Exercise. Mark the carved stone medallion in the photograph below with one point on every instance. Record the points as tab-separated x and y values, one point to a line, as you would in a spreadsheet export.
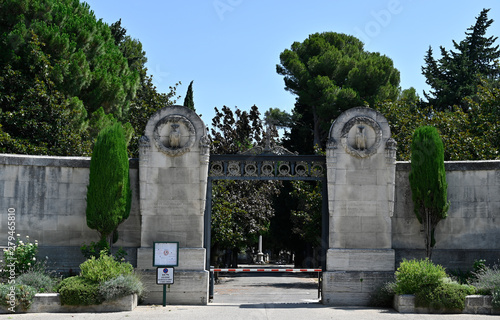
174	135
361	137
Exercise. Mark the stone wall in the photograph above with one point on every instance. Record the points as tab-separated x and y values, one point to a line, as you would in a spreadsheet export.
471	231
48	195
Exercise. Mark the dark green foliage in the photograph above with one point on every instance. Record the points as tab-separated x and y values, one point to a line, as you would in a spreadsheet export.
104	268
94	249
241	210
471	135
87	63
446	295
23	296
237	131
428	182
457	74
79	291
61	70
430	285
413	275
108	192
306	218
41	281
188	100
330	73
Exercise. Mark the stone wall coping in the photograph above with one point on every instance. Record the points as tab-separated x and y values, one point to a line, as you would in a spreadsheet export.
51	303
457	165
52	161
474	304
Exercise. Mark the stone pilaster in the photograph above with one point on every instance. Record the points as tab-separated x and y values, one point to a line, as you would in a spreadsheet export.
361	174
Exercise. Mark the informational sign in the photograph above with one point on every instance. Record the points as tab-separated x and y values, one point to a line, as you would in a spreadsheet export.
166	254
164	275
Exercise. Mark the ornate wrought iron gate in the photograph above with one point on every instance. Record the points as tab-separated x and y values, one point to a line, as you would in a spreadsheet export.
267	164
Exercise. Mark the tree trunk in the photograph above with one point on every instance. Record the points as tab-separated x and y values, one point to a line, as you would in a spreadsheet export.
428	234
316	133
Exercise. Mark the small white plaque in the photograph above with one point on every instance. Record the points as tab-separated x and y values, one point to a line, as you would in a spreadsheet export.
166	254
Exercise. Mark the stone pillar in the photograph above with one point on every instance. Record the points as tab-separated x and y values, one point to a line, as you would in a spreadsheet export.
360	177
173	170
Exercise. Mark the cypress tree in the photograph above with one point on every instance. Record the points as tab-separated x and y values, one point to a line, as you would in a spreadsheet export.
428	182
188	100
108	192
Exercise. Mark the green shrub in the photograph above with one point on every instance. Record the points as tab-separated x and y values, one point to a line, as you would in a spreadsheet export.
413	275
94	249
495	302
79	291
121	286
487	279
104	268
447	295
41	281
18	299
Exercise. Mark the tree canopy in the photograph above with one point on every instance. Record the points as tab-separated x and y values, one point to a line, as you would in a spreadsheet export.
457	74
59	68
241	210
330	73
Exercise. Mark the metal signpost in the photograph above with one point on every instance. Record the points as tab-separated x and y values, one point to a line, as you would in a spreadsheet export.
165	257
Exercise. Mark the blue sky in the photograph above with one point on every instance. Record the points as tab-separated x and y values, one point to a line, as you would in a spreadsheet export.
230	48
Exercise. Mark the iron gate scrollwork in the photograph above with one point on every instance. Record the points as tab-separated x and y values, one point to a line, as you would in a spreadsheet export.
265	163
267	167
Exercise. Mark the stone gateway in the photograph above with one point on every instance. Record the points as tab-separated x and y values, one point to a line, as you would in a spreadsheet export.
370	221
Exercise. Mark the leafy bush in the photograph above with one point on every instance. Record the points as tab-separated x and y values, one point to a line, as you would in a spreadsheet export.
20	298
447	295
104	268
20	257
487	279
121	286
413	275
79	291
41	281
495	302
467	277
94	249
383	297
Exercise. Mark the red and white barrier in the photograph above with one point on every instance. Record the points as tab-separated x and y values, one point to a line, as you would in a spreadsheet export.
265	270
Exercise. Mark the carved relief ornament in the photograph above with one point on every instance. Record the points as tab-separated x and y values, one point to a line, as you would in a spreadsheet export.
361	137
174	135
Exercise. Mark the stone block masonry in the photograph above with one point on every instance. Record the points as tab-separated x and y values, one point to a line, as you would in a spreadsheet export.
372	226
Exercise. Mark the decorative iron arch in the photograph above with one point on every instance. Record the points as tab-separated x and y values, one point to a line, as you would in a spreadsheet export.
262	163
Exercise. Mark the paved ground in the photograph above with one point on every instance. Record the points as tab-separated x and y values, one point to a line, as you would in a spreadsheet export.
264	311
254	297
266	288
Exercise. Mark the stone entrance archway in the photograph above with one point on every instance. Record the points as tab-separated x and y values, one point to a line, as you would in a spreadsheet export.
359	194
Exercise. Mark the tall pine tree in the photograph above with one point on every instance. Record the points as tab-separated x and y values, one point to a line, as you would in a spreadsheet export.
457	74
